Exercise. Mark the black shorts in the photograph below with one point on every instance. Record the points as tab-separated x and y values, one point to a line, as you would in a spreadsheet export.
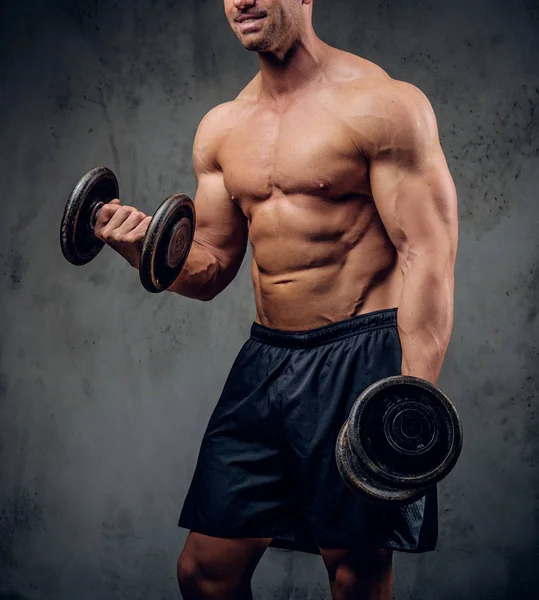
267	465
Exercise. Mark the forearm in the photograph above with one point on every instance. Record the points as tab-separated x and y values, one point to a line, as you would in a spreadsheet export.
425	315
200	276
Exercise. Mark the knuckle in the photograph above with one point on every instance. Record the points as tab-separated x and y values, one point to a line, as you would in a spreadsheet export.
105	215
108	209
132	238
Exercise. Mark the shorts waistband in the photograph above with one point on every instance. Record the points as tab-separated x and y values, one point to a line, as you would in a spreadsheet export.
327	333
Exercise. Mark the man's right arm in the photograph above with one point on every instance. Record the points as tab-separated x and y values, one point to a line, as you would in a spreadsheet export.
221	232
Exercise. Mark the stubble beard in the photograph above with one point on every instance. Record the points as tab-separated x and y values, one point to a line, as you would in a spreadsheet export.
273	36
262	41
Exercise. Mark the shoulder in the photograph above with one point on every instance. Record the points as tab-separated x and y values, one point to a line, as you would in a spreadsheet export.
208	137
388	114
214	128
396	101
365	84
220	118
344	67
371	102
215	123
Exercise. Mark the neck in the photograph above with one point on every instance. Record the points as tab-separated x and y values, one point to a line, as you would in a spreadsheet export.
284	71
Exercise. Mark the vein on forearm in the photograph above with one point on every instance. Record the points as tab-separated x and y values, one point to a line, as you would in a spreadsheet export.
200	274
425	315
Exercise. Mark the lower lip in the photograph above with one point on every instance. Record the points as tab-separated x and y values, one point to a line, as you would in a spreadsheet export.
251	25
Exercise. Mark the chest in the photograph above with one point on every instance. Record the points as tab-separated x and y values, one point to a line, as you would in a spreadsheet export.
304	150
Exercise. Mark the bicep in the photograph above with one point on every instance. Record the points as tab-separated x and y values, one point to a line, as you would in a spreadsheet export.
221	227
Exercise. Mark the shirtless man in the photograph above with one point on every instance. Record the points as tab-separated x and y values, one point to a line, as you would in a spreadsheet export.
334	173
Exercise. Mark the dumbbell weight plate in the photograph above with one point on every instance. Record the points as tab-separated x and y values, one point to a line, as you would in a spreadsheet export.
167	243
359	481
405	433
78	242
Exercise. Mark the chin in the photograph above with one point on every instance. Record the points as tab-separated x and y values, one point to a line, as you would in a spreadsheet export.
255	44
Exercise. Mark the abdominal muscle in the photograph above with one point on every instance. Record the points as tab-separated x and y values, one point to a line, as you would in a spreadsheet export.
317	261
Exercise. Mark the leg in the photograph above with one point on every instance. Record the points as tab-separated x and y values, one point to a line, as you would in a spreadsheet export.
360	574
217	568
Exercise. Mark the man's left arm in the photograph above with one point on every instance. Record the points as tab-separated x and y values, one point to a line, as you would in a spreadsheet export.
417	202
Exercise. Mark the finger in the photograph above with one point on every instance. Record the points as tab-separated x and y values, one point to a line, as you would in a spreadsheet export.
120	216
105	215
108	232
130	223
140	230
136	236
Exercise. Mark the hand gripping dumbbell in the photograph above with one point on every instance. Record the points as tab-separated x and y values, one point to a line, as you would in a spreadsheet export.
166	243
403	435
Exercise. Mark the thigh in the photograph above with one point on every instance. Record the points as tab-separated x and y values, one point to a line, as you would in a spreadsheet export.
362	558
363	572
239	487
217	559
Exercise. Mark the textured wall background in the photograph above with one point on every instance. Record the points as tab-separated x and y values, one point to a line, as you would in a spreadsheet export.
105	390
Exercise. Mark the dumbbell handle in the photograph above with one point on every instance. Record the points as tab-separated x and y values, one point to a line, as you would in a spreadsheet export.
95	214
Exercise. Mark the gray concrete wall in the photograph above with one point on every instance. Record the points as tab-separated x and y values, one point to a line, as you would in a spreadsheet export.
105	390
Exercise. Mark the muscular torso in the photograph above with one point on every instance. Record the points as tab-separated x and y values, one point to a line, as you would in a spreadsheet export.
320	251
